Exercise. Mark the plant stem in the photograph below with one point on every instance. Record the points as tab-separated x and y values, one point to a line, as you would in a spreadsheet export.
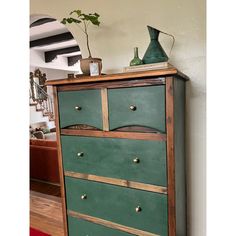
87	38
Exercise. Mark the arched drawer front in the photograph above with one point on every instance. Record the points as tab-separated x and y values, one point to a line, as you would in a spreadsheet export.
138	209
78	227
143	106
80	107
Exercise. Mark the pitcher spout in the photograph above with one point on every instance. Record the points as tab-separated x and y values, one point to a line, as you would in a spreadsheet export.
154	33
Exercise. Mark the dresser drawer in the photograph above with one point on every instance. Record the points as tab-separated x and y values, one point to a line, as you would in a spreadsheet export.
80	107
142	106
78	227
118	204
135	160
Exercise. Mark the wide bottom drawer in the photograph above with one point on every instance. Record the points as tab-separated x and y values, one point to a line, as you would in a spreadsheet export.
78	227
138	209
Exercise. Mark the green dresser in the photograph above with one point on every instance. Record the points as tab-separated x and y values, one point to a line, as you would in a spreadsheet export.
121	150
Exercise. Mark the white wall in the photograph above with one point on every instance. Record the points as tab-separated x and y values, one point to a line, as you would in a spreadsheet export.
37	59
123	26
51	74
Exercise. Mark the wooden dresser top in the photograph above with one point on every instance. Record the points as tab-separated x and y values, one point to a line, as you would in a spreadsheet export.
119	76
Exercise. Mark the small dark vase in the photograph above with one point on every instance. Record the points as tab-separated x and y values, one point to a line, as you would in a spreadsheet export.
154	52
136	60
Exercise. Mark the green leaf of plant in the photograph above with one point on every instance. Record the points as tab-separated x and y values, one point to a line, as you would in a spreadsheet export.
63	21
93	18
70	20
76	21
78	12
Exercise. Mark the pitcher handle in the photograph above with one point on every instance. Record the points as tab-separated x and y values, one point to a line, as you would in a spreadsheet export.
173	38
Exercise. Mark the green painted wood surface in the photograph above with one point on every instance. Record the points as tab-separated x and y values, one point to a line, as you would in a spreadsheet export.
150	103
91	112
180	171
78	227
111	157
117	204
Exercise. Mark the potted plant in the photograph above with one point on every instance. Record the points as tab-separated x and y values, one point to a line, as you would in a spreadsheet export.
83	21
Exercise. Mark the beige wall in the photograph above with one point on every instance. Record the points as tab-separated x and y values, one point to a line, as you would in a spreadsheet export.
123	26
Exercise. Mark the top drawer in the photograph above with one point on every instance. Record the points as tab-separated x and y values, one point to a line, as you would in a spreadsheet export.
142	106
80	107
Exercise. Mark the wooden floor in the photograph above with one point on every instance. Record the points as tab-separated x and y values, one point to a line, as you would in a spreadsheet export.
46	188
46	213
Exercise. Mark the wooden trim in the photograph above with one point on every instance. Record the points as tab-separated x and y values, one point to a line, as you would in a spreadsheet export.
60	162
82	126
114	84
105	117
119	182
112	77
110	224
170	155
136	128
182	76
43	147
129	128
43	142
114	134
45	182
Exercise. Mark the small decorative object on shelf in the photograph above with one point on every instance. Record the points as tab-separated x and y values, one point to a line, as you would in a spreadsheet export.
95	70
136	60
71	76
155	53
144	67
86	19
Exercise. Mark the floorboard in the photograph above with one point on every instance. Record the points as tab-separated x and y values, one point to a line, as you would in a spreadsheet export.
44	187
46	213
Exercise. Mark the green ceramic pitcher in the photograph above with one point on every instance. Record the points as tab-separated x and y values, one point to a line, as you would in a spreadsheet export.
155	53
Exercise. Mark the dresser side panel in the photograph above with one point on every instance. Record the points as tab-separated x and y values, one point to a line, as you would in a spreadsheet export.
179	143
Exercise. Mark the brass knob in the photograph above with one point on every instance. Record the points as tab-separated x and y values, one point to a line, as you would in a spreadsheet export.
136	160
138	209
133	107
84	196
80	154
78	108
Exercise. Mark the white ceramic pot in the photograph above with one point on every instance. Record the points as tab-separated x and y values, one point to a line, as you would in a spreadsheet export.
85	64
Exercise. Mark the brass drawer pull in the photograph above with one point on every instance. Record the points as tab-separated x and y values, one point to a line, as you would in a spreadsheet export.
78	108
133	108
138	209
80	154
84	196
136	160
